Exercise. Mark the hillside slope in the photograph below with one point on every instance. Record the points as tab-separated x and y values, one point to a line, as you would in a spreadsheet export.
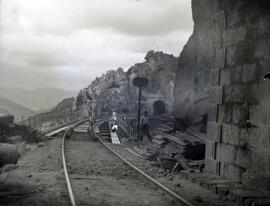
38	99
9	107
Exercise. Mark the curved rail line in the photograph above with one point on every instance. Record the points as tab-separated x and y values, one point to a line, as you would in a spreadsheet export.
70	192
170	192
161	186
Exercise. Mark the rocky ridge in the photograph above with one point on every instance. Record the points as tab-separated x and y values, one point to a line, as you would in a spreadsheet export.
115	90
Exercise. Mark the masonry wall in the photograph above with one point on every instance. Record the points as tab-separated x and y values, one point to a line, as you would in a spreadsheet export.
239	117
231	39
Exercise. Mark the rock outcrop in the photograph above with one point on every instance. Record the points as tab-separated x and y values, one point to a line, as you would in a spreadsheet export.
8	154
115	89
195	62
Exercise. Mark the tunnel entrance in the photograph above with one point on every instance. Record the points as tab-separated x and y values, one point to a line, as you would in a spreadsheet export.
159	107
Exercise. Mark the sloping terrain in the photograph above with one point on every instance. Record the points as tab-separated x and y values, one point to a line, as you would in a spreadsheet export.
38	99
9	107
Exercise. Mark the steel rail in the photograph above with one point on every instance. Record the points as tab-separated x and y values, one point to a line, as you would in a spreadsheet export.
68	126
70	192
170	192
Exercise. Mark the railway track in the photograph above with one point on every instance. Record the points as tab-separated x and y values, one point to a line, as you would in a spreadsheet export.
96	177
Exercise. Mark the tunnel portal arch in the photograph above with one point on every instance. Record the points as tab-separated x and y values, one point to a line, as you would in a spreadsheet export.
159	107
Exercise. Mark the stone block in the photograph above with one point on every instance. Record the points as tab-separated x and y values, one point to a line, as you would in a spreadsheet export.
245	52
237	75
213	131
233	18
216	94
226	153
8	154
259	138
230	55
211	166
263	183
260	114
249	73
264	26
212	112
219	17
262	49
264	64
210	151
231	171
243	158
260	163
225	76
237	114
261	91
221	113
235	35
228	114
214	77
233	93
220	58
230	134
250	136
248	178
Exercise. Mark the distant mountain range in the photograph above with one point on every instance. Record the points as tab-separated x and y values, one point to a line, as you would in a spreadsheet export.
37	100
9	107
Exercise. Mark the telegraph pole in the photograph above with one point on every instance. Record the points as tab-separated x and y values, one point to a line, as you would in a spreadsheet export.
139	82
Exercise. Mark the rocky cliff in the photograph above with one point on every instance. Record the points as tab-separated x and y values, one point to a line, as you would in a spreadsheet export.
115	89
195	62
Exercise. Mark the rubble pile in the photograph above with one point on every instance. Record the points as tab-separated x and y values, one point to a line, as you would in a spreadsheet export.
175	149
12	139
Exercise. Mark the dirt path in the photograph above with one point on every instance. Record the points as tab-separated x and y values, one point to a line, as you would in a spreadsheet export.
192	192
38	179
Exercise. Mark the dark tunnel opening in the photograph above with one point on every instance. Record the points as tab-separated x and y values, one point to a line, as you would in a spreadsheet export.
159	107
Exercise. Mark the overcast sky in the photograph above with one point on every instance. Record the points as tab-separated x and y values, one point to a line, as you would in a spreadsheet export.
67	43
